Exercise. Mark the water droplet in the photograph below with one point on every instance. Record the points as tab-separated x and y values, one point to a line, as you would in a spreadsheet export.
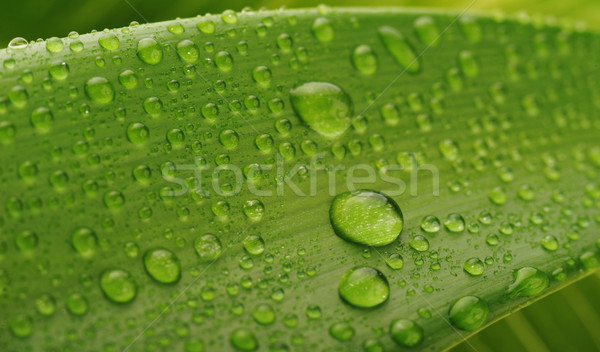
137	133
284	42
229	139
364	287
175	28
7	131
188	51
118	285
399	48
153	106
243	339
406	332
427	31
468	313
322	30
468	64
114	199
449	149
263	314
59	71
208	247
162	265
455	223
42	119
149	51
109	42
18	96
395	261
26	240
470	28
528	282
431	224
224	61
206	26
254	245
341	331
100	90
262	75
54	45
254	209
372	345
364	59
419	243
77	304
366	217
21	326
229	17
45	305
590	260
128	79
549	243
473	266
497	196
84	241
18	43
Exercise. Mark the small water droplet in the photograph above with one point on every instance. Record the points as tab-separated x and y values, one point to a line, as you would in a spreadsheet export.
100	90
162	265
322	29
188	51
208	247
118	285
137	133
364	59
473	266
149	51
406	332
399	48
341	331
364	287
224	61
427	31
109	42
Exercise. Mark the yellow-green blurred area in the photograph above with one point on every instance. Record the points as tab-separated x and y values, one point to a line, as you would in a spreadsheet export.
32	19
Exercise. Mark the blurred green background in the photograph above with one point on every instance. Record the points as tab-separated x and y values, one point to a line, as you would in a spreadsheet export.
568	320
34	19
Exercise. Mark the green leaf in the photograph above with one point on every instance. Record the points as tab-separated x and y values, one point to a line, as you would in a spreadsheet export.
473	136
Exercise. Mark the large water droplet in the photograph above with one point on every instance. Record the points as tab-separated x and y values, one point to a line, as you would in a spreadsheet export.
468	313
399	48
323	106
21	326
528	282
162	265
118	285
364	287
366	217
42	119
